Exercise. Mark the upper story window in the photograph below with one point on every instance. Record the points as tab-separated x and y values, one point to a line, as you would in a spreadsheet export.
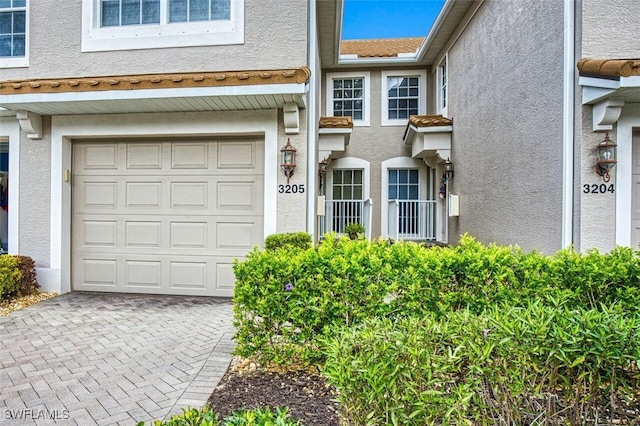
348	95
443	79
13	33
403	96
149	24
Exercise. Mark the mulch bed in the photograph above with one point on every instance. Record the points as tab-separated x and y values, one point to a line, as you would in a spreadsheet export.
307	396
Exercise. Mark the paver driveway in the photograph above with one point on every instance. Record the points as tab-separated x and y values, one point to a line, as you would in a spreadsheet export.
96	358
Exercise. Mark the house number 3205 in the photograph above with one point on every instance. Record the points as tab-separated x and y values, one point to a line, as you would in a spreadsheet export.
291	189
598	189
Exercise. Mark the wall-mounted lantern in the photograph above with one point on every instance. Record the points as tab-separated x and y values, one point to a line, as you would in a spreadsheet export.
606	157
288	163
322	169
448	170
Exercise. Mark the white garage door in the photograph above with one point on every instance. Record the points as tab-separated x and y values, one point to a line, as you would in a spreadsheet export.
164	217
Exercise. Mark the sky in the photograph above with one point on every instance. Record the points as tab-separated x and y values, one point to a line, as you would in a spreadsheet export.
363	19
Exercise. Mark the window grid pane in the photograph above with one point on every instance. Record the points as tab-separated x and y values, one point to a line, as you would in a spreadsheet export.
403	184
199	10
403	95
348	97
347	184
13	28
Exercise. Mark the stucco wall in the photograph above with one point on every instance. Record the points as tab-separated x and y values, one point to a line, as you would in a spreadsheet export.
35	196
610	29
275	37
505	98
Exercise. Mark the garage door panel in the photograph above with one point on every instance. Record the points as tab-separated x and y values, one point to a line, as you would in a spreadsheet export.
164	217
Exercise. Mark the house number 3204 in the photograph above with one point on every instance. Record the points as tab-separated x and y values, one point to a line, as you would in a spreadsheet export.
291	189
598	189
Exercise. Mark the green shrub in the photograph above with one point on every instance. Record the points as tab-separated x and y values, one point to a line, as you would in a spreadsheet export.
528	365
206	417
296	240
28	280
285	300
9	276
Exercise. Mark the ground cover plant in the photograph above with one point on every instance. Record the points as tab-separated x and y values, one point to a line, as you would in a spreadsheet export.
17	276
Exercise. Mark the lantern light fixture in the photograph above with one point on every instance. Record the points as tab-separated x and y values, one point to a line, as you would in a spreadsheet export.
322	168
448	170
606	152
288	163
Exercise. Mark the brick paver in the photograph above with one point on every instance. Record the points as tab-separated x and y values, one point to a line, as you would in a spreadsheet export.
108	359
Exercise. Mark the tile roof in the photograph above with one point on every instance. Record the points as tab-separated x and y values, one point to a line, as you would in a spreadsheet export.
336	122
156	81
380	48
429	121
609	67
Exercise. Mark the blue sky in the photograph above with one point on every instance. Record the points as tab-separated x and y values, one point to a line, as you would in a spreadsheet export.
364	19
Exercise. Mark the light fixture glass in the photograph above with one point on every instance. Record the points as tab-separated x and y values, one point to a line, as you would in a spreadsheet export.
288	163
606	154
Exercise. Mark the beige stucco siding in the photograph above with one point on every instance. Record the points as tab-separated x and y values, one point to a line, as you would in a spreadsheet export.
610	29
505	98
35	196
274	37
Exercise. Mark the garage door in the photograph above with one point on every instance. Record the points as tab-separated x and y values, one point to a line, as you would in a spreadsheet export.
165	217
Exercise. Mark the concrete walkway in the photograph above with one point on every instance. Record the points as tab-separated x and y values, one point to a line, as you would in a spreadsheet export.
107	359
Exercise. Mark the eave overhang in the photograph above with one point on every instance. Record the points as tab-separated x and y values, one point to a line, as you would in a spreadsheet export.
184	92
334	135
428	136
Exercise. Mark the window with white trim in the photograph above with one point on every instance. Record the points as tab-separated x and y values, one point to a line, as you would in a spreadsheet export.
403	95
348	95
443	80
148	24
13	33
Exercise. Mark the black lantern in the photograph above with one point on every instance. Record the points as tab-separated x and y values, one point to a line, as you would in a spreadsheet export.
288	159
606	157
448	170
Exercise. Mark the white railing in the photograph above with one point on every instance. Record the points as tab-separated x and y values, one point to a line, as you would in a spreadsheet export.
339	213
412	220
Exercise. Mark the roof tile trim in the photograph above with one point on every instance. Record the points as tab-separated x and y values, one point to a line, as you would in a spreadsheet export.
429	121
336	122
609	67
156	81
380	48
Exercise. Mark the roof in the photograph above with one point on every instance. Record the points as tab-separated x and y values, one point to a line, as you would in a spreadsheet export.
380	48
609	67
156	81
336	122
429	121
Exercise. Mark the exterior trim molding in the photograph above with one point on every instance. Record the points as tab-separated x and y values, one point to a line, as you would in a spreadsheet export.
291	118
156	81
606	113
30	123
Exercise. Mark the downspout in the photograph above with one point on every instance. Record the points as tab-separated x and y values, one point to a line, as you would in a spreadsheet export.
568	123
312	120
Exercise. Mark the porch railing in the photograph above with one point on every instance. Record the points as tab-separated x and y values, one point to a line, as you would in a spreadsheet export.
339	213
412	220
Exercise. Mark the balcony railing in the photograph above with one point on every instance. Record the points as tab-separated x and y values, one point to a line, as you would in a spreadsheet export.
412	220
339	213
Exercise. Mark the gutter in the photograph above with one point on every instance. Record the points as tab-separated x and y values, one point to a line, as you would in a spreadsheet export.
312	119
568	123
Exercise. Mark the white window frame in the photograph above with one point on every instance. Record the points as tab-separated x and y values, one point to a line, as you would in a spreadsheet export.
423	190
19	61
422	93
442	85
178	34
366	76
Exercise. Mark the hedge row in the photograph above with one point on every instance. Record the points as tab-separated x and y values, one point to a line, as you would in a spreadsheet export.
532	365
17	276
286	299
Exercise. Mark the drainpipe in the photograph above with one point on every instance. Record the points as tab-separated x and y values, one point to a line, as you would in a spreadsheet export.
312	119
568	121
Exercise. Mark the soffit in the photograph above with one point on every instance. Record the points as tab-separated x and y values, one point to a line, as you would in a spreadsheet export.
184	92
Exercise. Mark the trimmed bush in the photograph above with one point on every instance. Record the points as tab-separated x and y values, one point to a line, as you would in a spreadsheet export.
206	417
290	240
9	276
531	365
28	280
286	300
